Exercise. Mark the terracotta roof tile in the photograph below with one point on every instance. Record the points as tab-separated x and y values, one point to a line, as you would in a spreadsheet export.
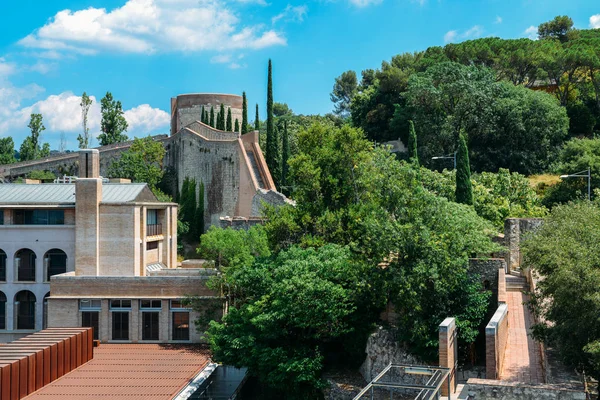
129	371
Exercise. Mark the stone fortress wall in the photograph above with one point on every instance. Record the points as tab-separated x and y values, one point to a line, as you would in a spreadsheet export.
186	108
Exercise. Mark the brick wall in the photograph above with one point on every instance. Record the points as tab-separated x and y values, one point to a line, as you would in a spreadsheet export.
448	352
496	336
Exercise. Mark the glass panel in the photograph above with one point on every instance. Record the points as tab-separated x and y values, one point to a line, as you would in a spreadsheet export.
145	304
25	262
2	265
90	319
177	304
90	304
120	326
181	326
57	264
120	304
25	310
39	217
3	313
1	217
152	217
150	326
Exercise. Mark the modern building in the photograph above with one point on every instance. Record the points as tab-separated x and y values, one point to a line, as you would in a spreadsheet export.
94	254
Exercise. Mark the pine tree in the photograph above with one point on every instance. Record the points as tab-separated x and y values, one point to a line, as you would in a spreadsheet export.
221	124
244	114
229	123
464	189
236	126
218	121
257	120
285	155
202	115
199	217
212	116
412	144
271	156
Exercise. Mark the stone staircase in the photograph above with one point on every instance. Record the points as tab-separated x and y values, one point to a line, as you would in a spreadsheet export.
516	282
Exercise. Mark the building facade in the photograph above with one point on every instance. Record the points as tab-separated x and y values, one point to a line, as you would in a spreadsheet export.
93	254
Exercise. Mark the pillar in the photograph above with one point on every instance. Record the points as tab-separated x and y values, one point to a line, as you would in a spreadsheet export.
448	352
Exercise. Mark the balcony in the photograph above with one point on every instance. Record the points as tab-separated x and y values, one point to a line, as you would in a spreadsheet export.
153	229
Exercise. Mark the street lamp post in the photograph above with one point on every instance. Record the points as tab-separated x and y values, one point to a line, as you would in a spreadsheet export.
449	156
583	174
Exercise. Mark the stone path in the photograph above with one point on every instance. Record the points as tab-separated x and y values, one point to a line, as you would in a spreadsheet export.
522	362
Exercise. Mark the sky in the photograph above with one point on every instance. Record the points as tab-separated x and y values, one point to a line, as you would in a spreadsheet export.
146	51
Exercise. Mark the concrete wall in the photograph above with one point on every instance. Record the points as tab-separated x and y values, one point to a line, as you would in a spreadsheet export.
119	240
496	337
481	389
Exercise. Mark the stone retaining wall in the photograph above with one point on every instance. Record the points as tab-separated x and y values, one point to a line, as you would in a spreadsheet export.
480	389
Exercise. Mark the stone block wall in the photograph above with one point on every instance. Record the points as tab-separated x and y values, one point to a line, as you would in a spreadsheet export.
514	231
496	337
186	108
481	389
487	269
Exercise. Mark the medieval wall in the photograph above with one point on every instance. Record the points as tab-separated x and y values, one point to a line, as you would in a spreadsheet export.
186	108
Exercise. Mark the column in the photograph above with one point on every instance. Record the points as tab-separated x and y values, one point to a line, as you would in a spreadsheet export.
448	350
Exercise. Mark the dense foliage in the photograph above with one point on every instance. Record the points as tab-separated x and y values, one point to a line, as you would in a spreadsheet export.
142	162
113	124
7	150
31	148
464	188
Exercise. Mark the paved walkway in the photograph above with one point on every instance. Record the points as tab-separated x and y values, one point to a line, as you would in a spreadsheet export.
522	360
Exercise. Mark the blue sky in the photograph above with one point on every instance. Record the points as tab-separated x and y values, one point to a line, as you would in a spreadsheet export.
146	51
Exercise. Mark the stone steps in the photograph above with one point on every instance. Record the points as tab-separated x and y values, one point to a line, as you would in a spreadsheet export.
516	283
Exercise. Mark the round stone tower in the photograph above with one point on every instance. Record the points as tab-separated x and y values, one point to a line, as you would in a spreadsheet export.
186	108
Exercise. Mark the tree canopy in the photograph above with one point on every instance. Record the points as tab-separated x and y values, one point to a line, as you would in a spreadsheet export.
113	124
142	162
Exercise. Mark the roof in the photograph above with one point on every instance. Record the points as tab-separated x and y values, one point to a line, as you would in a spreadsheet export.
130	371
64	193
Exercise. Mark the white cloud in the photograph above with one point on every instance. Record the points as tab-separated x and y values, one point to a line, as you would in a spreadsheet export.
291	14
364	3
220	59
531	32
148	26
498	19
6	68
471	33
595	21
144	118
42	67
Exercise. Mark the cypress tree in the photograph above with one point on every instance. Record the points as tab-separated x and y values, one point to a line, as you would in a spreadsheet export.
212	116
257	120
271	157
285	155
244	114
229	123
412	144
202	115
218	120
199	217
221	123
237	126
464	190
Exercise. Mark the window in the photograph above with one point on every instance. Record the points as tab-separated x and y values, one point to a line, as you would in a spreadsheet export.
2	311
55	262
178	304
120	304
2	266
152	304
45	312
25	265
152	225
90	304
120	325
25	309
39	217
151	245
181	326
90	319
1	216
150	325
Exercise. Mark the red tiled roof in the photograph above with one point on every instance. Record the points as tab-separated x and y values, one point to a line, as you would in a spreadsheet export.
132	371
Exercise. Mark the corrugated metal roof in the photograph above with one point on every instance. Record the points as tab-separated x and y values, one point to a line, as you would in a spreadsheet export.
61	193
130	371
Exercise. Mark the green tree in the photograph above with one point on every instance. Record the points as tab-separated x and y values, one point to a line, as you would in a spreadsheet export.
84	139
236	126
7	150
285	156
142	162
344	89
206	118
232	248
412	143
30	148
212	116
244	114
271	150
202	115
558	28
113	122
199	217
221	118
45	176
229	125
564	252
464	189
188	208
256	120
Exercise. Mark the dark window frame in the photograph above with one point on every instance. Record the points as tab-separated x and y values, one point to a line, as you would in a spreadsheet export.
180	329
151	325
120	325
91	319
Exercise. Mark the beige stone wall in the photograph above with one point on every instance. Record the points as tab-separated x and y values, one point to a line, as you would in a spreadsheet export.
119	237
87	240
496	338
448	348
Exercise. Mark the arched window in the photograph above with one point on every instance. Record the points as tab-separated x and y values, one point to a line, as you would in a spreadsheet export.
55	262
25	265
45	315
2	266
25	310
2	311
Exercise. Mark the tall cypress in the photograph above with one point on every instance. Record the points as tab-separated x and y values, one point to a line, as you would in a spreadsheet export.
236	127
202	115
464	189
221	120
206	119
244	114
285	155
199	217
212	116
271	140
229	122
412	144
257	120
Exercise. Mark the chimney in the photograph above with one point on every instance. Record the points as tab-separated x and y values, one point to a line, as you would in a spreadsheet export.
88	194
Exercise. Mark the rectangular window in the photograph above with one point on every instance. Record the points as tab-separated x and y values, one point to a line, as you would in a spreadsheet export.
150	325
179	304
39	217
120	304
90	319
151	217
151	245
181	326
1	216
90	304
150	304
120	325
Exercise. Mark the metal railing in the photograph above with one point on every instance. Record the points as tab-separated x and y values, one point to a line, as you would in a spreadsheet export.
153	229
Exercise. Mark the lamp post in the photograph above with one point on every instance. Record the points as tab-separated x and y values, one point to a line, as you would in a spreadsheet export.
583	174
449	156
